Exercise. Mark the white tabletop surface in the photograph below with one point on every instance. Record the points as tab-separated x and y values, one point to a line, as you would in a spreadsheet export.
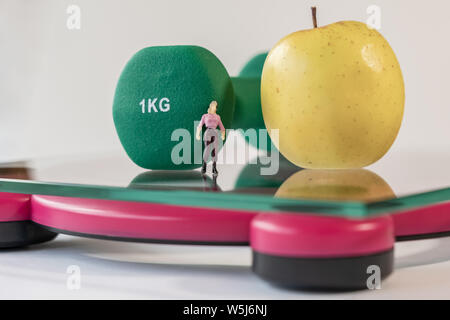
115	270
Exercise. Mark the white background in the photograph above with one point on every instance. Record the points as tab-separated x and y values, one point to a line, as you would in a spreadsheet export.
56	90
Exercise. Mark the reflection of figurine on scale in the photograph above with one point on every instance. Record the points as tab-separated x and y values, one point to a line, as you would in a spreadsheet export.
211	120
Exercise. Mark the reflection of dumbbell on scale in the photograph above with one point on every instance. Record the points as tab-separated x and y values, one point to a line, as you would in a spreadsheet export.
162	91
174	180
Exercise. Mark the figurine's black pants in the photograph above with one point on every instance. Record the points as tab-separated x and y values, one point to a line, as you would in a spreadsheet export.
210	138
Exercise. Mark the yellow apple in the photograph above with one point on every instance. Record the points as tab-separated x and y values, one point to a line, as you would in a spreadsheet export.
345	185
336	95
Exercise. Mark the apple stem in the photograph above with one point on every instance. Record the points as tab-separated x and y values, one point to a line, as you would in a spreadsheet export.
314	16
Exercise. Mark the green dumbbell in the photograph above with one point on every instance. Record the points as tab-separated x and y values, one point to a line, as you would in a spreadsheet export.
254	67
164	90
248	87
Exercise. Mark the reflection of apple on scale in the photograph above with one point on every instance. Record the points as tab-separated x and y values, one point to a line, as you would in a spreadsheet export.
342	185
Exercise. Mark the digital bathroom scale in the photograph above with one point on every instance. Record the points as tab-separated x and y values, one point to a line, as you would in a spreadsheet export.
314	229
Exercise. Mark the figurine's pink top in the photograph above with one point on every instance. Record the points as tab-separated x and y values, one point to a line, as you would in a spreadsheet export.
211	120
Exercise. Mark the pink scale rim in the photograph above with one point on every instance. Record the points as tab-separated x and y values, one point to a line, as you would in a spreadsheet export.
140	220
312	236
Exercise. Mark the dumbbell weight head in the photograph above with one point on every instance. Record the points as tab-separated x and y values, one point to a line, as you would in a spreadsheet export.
162	89
166	88
248	112
254	67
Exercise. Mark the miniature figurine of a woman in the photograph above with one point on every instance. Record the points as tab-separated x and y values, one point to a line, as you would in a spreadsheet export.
211	120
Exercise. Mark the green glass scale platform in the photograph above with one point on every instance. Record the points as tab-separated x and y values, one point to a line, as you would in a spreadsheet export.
398	182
